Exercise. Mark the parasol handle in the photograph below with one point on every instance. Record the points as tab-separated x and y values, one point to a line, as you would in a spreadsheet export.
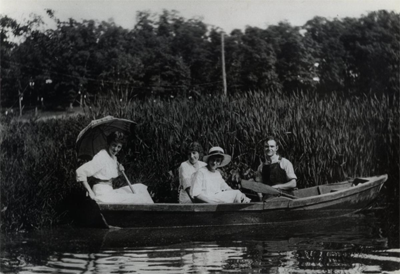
129	183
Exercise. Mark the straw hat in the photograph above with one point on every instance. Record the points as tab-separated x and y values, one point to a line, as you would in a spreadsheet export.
218	151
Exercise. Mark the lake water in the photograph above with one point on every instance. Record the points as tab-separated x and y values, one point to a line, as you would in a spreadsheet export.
357	244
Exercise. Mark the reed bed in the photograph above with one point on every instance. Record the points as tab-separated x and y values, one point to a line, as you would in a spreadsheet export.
327	138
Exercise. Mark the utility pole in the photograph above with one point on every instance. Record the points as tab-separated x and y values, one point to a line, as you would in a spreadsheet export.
20	98
223	63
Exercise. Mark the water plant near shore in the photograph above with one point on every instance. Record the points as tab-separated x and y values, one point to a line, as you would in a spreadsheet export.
328	138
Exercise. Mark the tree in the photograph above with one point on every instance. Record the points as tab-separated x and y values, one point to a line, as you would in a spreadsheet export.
295	63
373	41
189	44
233	60
323	38
258	61
15	74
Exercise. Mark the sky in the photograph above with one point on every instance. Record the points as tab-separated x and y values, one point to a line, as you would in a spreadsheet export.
226	14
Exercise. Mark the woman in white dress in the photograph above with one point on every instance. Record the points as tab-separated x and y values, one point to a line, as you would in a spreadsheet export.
208	186
186	170
104	167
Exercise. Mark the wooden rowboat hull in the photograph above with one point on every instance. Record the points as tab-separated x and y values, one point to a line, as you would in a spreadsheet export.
325	201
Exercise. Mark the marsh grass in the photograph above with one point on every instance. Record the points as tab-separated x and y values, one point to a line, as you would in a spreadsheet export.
327	138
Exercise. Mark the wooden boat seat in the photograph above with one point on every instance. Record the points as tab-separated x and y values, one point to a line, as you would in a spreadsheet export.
306	192
326	189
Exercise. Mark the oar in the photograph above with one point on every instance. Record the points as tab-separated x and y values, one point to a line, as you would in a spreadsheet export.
262	188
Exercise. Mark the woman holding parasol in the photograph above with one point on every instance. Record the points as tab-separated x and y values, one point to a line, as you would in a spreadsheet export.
104	166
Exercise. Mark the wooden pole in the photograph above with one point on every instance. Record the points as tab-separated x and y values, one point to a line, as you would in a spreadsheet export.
223	63
129	183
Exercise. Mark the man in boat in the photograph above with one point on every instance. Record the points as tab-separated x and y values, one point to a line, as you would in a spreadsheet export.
276	171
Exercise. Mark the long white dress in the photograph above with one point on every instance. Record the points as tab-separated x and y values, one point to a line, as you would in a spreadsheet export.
186	170
214	187
104	168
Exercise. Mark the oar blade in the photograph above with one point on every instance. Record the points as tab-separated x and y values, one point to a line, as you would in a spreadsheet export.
258	187
262	188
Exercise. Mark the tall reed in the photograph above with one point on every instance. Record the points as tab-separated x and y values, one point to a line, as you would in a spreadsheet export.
327	138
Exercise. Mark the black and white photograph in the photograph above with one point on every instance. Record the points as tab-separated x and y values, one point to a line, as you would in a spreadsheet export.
199	136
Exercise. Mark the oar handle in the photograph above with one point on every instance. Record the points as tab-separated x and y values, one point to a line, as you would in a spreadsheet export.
287	195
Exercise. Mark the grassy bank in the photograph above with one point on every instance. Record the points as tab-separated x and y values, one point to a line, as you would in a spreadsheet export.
326	138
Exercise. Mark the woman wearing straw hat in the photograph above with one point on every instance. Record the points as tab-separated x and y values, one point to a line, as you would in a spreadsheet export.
208	186
186	170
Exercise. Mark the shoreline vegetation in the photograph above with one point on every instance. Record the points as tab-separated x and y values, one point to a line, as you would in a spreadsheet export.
327	138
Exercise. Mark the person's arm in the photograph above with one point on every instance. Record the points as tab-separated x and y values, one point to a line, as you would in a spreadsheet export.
185	179
196	190
290	175
87	170
188	193
289	185
89	190
204	199
224	185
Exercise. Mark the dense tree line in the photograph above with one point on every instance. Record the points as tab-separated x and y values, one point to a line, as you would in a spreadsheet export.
168	55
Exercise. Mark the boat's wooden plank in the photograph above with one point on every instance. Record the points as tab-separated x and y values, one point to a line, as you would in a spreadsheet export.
277	203
166	207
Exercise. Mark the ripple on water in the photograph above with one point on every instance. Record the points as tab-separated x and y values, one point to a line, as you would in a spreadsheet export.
343	249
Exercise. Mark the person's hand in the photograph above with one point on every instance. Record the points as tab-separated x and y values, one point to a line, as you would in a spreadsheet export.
236	178
277	188
245	199
93	196
121	168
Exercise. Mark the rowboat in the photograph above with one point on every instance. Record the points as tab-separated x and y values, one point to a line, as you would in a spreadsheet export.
308	204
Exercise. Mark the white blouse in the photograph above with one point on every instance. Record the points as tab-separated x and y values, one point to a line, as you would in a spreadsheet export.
207	182
102	167
186	170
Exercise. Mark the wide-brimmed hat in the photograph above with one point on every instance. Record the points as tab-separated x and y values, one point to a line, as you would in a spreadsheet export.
218	151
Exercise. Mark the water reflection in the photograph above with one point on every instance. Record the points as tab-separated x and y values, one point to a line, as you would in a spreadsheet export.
353	245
